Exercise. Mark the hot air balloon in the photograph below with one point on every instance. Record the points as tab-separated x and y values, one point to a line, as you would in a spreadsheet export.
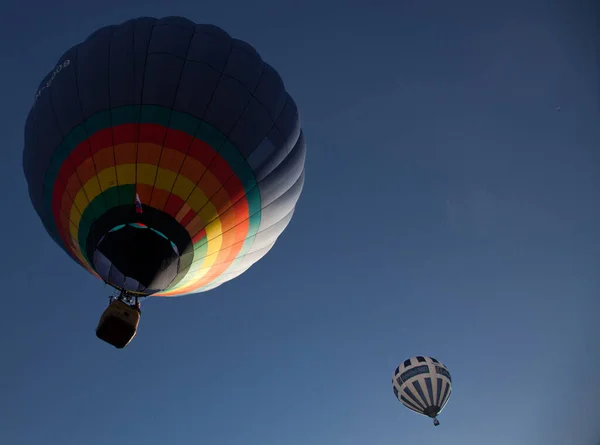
423	385
165	157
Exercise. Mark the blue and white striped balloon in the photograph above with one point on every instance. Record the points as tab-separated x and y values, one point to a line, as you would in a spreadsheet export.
424	385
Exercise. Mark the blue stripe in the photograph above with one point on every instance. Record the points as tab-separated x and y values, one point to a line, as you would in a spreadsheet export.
417	386
445	394
412	396
411	405
439	392
429	390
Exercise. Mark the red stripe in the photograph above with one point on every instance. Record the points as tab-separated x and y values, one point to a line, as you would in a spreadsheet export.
178	140
125	134
221	169
187	218
101	139
152	133
202	152
174	204
201	234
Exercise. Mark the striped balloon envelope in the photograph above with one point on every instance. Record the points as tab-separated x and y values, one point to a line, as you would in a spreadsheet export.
164	156
423	384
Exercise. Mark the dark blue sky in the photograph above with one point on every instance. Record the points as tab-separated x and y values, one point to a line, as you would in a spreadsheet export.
449	210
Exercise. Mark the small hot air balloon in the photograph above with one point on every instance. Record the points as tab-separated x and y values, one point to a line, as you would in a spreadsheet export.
165	157
423	384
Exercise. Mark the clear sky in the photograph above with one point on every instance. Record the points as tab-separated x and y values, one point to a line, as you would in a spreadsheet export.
450	209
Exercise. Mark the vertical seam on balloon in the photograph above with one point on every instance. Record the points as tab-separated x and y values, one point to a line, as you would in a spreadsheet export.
140	105
110	108
137	140
171	114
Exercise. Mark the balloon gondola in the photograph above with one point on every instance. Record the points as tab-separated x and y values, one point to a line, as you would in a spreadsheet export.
165	157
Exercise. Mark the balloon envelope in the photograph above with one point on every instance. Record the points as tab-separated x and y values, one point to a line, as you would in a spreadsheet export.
164	156
422	384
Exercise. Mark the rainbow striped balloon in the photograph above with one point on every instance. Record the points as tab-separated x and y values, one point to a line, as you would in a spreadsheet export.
164	156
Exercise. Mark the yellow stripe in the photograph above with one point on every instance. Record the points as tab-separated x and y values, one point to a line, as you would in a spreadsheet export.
196	274
107	178
73	227
165	179
215	240
183	187
146	173
75	214
126	174
197	200
76	250
92	188
213	231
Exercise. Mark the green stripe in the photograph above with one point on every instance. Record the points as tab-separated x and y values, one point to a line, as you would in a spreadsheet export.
88	217
200	249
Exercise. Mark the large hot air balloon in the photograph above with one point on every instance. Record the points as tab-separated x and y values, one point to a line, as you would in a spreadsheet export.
165	157
423	385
